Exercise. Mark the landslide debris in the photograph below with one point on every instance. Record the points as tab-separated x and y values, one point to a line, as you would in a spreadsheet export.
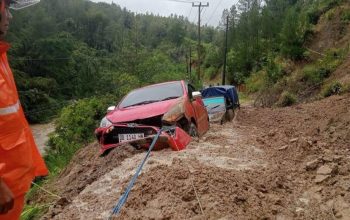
284	163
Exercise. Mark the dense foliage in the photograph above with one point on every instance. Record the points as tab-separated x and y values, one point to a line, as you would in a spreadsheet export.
260	32
71	49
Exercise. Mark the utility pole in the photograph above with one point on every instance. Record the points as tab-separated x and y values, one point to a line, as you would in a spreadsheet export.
200	6
190	64
225	58
187	64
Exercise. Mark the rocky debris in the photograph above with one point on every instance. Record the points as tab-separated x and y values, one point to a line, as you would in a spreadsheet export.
326	170
321	178
312	165
283	147
270	189
293	140
63	202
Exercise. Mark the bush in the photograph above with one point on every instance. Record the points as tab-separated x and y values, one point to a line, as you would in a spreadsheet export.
345	16
330	14
256	82
38	106
316	73
74	129
334	88
286	99
274	70
312	74
319	8
210	73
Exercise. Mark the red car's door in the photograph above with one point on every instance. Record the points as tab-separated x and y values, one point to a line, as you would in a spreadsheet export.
200	112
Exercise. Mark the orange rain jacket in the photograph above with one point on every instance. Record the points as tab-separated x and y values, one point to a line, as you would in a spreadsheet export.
20	160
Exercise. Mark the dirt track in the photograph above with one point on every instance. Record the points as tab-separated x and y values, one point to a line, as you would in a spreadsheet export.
289	163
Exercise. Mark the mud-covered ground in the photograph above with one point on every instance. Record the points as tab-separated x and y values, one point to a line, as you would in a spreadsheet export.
286	163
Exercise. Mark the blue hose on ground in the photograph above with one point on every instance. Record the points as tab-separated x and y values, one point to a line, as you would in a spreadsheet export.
124	197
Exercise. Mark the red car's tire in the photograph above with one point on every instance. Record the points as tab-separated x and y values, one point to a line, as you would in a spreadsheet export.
193	130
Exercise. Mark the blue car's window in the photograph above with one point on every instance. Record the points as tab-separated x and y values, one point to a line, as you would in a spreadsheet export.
152	94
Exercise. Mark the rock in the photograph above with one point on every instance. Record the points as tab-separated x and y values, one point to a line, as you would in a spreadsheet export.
312	165
325	170
337	158
318	189
240	199
327	158
331	130
63	202
309	143
283	147
262	189
271	133
321	178
293	140
274	210
338	215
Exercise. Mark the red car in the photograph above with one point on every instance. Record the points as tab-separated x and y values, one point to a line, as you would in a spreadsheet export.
141	113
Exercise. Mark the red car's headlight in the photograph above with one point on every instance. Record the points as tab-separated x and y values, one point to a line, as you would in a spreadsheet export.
176	112
105	123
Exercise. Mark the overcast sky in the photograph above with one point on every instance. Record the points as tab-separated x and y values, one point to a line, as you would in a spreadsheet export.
210	15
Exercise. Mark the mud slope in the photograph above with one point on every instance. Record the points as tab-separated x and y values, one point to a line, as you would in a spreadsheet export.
289	163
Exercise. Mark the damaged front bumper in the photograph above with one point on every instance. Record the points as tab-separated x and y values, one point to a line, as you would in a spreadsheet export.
141	135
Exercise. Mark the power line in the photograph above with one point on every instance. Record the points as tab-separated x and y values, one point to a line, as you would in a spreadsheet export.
189	15
216	8
204	10
180	1
63	58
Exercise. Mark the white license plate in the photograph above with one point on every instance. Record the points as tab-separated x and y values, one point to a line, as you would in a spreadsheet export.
130	137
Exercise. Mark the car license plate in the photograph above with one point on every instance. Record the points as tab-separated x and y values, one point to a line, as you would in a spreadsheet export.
130	137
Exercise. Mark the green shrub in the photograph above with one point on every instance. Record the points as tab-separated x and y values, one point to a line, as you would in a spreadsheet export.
74	129
286	99
256	82
316	73
29	212
334	88
345	16
38	106
311	74
319	8
274	70
210	73
330	14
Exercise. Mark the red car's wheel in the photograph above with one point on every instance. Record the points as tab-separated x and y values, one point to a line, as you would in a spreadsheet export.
193	130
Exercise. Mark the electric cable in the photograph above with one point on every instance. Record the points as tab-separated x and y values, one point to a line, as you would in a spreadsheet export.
217	6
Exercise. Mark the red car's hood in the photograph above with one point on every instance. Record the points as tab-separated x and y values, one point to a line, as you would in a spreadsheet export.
141	111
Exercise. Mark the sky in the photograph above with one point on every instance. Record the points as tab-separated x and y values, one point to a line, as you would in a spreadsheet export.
210	15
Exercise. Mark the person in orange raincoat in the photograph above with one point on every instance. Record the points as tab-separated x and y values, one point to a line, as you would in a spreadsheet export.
20	161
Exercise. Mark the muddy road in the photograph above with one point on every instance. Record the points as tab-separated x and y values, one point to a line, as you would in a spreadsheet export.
287	163
41	135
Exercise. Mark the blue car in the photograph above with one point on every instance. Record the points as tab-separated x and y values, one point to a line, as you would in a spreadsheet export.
221	102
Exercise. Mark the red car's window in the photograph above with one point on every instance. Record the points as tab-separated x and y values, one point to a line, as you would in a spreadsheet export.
152	94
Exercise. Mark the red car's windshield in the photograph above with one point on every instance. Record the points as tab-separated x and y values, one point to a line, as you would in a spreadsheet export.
152	94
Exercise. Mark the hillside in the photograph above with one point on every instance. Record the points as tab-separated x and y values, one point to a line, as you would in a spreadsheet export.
320	70
66	50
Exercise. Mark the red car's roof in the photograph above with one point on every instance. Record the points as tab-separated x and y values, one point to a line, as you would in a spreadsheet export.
163	83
